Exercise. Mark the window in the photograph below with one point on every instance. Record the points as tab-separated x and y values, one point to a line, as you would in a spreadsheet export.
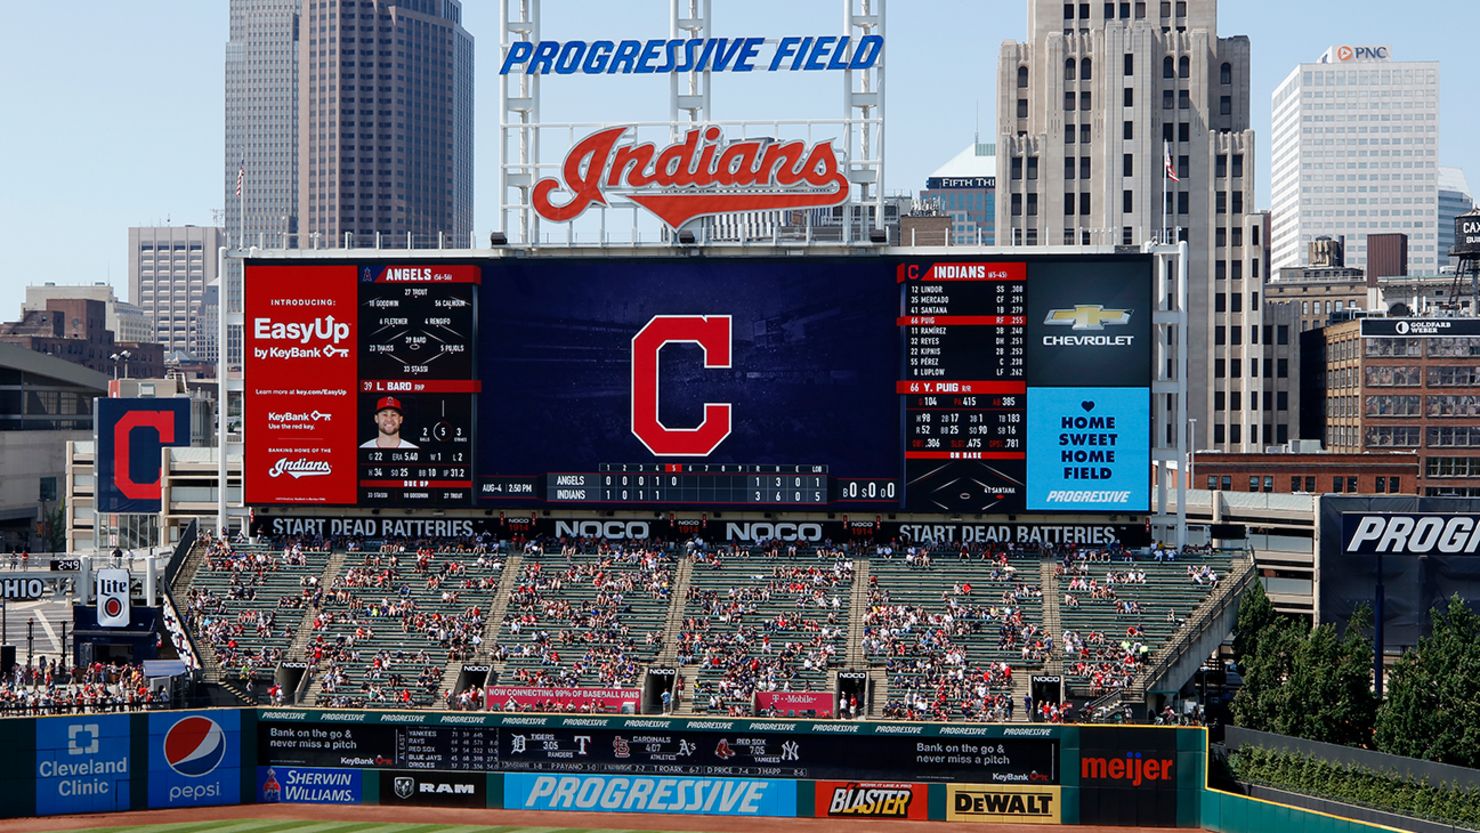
1022	108
1184	100
1295	484
1220	166
1225	105
1127	203
1212	482
1183	132
1127	235
1336	484
1069	134
1083	203
1068	11
1238	171
1069	70
1167	64
1253	482
1017	167
1084	99
1393	485
1068	101
1084	134
1184	67
1385	406
1282	368
1168	100
1268	479
1129	99
1022	78
1182	202
1378	481
1238	203
1127	131
1220	304
1225	73
1127	165
1085	68
1068	167
1220	200
1226	482
1068	204
47	490
1084	167
1017	204
1032	205
1032	167
1130	61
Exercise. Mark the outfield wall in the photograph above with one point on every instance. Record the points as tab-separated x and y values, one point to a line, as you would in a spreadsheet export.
1016	773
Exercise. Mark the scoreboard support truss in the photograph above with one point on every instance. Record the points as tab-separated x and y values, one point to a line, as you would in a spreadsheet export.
1169	442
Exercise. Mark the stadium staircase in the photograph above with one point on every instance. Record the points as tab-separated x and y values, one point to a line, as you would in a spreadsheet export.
1052	621
1179	657
500	606
298	650
674	622
857	612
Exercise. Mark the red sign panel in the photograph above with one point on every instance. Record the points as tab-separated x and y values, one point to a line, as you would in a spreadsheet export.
300	360
791	703
872	800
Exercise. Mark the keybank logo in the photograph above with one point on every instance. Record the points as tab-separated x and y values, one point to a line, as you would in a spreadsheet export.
1134	767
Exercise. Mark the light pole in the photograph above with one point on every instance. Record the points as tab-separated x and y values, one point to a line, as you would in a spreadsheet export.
1191	452
120	356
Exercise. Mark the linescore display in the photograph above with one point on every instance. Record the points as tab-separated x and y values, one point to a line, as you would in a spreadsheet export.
980	385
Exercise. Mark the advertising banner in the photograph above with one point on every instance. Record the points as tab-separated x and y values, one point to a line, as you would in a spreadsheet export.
130	434
795	703
1087	449
301	785
871	800
301	369
1128	776
194	758
608	699
402	788
651	794
997	804
112	594
82	764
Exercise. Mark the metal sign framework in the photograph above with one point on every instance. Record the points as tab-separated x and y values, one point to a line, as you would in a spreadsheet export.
523	132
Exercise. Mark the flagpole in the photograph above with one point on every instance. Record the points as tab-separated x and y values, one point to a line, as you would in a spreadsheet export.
1165	149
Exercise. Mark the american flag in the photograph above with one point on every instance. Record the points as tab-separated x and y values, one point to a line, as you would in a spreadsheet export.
1171	169
241	176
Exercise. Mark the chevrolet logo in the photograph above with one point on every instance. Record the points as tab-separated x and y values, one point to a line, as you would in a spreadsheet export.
1088	317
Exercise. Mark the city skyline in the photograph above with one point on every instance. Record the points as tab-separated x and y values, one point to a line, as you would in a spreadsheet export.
139	142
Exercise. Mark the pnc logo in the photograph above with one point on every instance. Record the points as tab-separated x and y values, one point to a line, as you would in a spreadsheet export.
194	746
1344	53
698	176
1088	317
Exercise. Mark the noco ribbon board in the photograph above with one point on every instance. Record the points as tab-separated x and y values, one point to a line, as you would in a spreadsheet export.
969	386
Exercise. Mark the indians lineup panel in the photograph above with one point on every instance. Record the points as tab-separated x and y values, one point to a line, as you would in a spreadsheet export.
970	385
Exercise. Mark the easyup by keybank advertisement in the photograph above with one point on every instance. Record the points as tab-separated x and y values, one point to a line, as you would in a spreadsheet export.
651	794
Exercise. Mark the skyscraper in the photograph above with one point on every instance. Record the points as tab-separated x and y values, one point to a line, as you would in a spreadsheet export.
1356	152
1085	109
1454	200
262	121
168	269
349	116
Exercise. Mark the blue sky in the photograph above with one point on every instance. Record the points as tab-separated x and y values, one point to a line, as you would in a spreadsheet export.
113	111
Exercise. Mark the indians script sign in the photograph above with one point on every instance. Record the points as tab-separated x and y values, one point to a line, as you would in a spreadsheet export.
700	175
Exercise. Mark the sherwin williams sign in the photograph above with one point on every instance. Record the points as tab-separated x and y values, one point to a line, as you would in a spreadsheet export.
307	785
82	764
647	794
194	759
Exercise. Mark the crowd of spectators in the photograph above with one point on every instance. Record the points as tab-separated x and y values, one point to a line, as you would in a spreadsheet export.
572	613
48	687
782	625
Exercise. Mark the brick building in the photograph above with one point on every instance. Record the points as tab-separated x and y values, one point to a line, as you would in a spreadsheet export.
1395	472
1406	384
76	330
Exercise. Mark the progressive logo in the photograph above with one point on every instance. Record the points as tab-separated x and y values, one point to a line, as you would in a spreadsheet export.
195	746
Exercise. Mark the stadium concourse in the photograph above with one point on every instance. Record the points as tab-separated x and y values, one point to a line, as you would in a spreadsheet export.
947	633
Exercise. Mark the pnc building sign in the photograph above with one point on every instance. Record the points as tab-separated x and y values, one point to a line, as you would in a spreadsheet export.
1347	53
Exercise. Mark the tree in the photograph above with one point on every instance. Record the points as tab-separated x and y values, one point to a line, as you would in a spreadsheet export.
1328	695
1431	710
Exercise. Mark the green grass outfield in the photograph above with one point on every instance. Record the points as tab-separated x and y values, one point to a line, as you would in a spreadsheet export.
289	826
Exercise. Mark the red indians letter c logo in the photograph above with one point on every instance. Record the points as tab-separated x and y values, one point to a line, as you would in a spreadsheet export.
712	334
163	423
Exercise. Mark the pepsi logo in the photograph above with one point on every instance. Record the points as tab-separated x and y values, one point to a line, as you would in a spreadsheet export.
194	746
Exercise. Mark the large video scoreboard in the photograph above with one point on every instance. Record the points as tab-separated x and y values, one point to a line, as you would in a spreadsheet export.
974	385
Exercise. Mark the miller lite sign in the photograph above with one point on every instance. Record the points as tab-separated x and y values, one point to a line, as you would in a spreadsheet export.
700	175
112	598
